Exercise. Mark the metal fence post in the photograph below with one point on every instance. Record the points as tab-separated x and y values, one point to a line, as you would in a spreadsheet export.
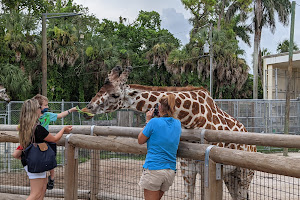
72	114
62	110
8	145
298	111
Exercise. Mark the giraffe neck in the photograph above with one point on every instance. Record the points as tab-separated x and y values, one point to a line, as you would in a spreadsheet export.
142	100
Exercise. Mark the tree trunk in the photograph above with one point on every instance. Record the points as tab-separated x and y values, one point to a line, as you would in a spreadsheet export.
260	64
257	36
221	14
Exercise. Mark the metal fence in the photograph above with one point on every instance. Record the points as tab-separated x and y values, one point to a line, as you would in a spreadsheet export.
257	115
119	172
9	114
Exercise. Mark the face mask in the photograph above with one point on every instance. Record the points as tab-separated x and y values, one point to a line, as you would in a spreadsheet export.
45	110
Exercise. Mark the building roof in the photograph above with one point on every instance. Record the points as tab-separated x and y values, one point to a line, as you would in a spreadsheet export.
281	60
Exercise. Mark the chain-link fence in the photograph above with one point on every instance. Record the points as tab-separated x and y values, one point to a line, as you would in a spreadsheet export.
119	173
263	116
9	114
257	115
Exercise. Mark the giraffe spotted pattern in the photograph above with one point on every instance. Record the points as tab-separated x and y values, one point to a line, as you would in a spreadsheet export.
194	108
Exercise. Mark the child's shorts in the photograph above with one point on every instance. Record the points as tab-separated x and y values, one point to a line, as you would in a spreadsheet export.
155	180
35	175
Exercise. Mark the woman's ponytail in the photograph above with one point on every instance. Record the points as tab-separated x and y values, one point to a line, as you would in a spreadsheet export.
168	104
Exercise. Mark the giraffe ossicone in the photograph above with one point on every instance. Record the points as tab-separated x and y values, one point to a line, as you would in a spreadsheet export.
195	108
3	95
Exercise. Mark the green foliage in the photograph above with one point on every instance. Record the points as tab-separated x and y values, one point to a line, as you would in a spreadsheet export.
284	47
82	50
149	20
15	81
228	23
262	149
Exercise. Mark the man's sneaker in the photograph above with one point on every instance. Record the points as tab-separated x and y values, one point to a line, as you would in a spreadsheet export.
50	183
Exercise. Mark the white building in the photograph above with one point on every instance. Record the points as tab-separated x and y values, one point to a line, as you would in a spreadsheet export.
275	76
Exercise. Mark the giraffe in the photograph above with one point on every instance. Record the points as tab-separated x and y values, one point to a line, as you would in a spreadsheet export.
3	94
194	108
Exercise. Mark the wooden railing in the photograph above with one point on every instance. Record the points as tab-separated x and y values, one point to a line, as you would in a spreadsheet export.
123	139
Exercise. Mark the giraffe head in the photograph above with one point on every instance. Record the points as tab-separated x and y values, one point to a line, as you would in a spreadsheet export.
3	94
111	95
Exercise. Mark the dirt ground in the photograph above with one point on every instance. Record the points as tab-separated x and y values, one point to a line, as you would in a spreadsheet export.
5	196
120	177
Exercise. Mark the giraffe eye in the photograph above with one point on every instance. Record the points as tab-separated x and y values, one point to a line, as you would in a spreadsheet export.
115	96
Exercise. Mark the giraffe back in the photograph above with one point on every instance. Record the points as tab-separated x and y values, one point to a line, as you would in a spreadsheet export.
195	108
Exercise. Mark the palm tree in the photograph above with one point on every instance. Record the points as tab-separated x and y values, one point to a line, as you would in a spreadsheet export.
102	56
284	47
17	35
61	45
15	81
159	53
179	62
264	15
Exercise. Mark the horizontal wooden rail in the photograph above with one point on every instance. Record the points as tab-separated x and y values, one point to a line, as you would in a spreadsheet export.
12	136
130	145
274	164
261	139
251	160
57	193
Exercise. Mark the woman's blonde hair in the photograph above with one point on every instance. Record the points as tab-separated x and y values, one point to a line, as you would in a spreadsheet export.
168	104
28	119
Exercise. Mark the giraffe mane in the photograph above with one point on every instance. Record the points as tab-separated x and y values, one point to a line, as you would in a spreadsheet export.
166	89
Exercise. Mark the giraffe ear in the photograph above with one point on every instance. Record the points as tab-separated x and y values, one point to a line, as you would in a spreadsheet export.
124	76
114	74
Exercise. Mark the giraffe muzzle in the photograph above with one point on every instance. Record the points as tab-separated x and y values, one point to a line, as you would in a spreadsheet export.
86	113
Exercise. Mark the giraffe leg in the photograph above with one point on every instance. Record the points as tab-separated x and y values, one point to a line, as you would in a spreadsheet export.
238	181
188	171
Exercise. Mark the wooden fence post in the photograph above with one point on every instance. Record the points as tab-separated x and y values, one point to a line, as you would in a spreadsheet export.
95	164
71	171
214	189
213	186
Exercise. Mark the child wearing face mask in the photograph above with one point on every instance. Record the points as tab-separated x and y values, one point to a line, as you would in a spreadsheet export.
45	119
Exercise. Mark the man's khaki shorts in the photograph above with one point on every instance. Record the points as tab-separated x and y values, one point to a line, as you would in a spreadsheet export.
155	180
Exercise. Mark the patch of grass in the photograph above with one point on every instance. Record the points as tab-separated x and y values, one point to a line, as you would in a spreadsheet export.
263	149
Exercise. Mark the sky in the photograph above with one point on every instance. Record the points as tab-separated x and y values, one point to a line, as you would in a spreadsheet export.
175	18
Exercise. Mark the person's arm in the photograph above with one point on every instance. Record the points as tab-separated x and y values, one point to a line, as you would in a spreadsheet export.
142	139
56	138
65	113
17	154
